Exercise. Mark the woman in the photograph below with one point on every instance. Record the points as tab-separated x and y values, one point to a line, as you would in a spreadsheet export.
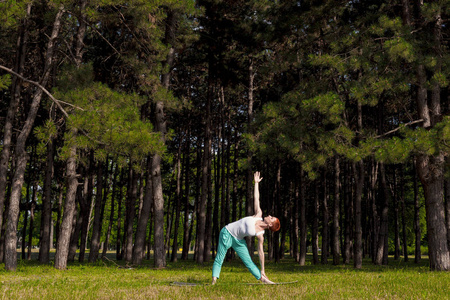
233	234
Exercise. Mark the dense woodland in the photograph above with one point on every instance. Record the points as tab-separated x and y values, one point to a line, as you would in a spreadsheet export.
136	126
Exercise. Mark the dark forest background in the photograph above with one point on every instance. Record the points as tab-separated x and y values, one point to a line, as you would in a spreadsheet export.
136	126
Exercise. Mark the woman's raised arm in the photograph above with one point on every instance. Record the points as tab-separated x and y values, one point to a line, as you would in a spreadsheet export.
258	211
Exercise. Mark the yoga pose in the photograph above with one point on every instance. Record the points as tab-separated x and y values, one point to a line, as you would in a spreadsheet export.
233	234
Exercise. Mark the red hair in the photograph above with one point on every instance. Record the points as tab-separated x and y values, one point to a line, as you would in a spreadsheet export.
275	225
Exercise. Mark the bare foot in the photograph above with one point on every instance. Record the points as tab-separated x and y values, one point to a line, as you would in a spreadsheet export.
214	279
266	280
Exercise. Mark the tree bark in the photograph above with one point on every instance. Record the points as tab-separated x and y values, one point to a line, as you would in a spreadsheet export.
208	225
185	252
402	207
8	127
218	223
160	119
30	231
359	172
348	205
201	233
62	249
46	216
358	168
141	230
96	228
249	204
374	210
382	246
430	168
86	203
111	215
336	230
119	218
315	225
177	209
396	218
417	230
295	217
325	219
25	219
130	213
303	233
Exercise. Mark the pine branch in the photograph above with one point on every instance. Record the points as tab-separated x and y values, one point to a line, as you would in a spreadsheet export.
398	128
56	101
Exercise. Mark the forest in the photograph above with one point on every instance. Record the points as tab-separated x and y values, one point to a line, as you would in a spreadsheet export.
136	127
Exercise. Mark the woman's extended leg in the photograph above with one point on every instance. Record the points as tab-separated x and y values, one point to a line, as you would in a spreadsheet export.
240	246
225	242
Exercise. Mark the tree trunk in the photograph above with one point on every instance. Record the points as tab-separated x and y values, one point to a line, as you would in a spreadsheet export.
46	216
382	246
295	217
119	218
25	220
374	210
235	197
86	204
76	229
402	207
325	218
431	168
396	222
335	230
62	249
348	205
130	213
96	228
160	119
16	88
141	230
417	230
359	172
58	214
358	168
315	225
111	215
158	202
303	233
185	252
30	231
177	209
218	223
249	204
201	233
208	225
22	156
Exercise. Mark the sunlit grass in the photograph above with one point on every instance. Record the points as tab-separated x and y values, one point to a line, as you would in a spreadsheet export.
115	280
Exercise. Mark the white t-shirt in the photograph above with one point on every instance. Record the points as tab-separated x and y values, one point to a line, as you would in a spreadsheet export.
244	227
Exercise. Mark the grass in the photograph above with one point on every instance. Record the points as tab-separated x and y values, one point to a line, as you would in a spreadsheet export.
115	280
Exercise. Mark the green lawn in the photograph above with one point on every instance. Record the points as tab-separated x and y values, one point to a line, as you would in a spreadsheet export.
108	280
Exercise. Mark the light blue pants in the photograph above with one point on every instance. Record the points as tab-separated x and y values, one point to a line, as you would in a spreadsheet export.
226	240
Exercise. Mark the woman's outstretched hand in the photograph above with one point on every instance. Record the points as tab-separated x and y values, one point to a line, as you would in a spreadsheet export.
257	177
